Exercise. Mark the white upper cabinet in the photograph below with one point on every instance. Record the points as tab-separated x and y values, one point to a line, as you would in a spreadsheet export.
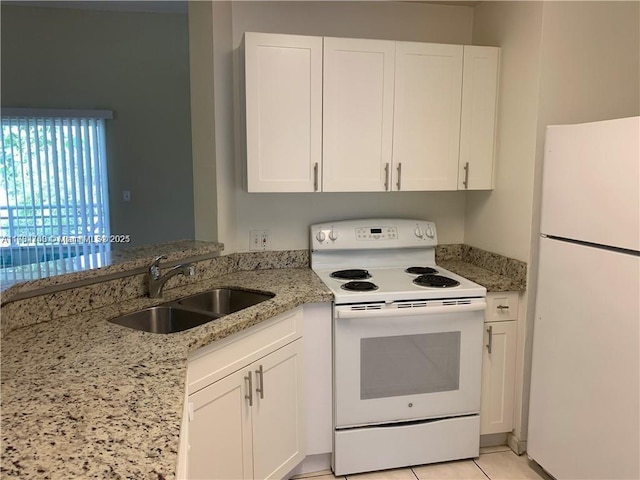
477	128
353	115
283	81
426	123
357	114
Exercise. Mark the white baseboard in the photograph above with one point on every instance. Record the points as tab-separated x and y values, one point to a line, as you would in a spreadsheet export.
320	464
518	446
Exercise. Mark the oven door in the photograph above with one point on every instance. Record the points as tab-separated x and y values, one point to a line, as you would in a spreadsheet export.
401	364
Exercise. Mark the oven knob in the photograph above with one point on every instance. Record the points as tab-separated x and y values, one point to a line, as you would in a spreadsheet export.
429	232
321	237
418	232
333	236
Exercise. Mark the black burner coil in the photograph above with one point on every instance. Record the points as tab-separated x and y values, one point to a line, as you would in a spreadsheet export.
437	281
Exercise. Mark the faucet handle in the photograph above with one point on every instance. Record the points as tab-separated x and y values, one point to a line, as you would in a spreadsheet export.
156	260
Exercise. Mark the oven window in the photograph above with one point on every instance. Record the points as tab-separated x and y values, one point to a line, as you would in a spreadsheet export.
409	364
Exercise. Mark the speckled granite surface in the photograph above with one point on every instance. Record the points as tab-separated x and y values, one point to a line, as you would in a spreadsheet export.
492	281
495	272
50	305
19	280
82	397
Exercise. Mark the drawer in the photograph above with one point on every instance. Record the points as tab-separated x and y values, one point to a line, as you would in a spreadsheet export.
501	306
223	357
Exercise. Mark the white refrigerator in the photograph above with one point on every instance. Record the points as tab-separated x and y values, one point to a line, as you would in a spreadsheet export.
584	417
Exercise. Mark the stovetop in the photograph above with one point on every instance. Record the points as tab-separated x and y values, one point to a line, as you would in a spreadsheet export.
384	249
394	284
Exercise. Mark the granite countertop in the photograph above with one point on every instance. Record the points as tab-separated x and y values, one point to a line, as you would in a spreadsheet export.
493	282
82	397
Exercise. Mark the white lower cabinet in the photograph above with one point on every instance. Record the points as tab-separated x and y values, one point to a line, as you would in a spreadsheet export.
220	431
248	423
278	431
498	364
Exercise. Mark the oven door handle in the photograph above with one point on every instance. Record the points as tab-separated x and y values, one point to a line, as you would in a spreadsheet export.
346	312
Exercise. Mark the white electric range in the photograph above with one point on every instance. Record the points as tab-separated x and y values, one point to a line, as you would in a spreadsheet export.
407	345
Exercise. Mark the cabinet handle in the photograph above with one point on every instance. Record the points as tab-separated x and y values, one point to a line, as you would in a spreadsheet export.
399	175
386	176
260	380
503	307
249	396
490	344
315	177
466	175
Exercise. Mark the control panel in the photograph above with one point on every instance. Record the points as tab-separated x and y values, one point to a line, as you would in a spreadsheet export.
376	233
373	233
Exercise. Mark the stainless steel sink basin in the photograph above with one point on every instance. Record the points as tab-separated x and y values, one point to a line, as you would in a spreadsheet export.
191	311
164	319
223	301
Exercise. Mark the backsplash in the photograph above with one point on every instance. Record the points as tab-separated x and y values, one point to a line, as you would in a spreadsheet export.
19	282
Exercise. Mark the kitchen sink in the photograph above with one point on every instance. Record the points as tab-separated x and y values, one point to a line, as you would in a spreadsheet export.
223	301
191	311
164	319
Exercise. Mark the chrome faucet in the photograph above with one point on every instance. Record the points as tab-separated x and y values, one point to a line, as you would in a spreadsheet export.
156	280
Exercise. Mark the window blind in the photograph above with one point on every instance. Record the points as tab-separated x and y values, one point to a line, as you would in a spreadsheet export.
53	185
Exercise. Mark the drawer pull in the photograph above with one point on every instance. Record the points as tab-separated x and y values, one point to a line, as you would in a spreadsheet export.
503	307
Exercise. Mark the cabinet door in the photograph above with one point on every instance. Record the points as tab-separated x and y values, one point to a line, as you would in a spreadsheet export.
283	79
219	430
357	114
477	131
498	377
278	422
426	125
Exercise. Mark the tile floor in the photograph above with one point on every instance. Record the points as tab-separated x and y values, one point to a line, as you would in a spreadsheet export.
494	463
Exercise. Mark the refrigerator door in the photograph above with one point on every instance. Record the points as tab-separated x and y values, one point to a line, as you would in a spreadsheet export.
590	187
584	406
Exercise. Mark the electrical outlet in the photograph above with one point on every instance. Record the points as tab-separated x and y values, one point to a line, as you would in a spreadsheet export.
259	240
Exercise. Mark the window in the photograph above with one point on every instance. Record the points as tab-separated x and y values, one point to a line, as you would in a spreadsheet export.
53	185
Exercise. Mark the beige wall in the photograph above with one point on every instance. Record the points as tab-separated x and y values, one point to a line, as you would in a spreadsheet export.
288	216
500	220
562	62
136	64
201	66
589	71
225	115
